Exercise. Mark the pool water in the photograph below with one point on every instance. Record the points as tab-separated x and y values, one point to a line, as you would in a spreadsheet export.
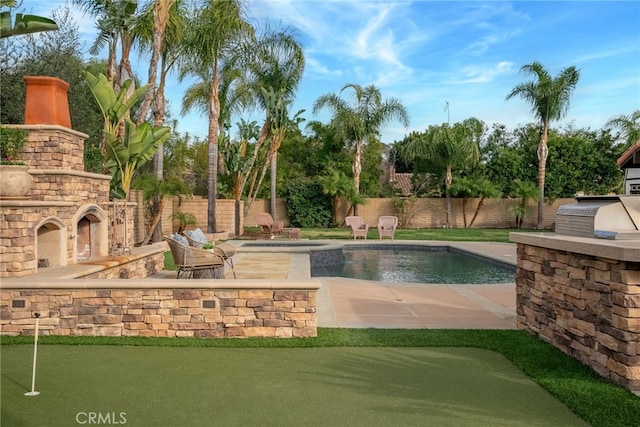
415	266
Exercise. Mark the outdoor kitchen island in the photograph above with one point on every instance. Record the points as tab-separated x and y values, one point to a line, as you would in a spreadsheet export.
582	294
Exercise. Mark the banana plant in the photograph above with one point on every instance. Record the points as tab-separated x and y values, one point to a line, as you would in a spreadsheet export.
129	150
137	146
24	24
114	107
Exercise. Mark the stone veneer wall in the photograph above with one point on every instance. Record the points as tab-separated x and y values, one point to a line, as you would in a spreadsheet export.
53	147
162	312
144	262
587	305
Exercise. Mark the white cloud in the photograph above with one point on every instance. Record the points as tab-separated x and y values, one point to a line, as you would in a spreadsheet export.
482	73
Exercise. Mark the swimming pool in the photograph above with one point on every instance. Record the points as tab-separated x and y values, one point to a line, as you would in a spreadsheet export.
416	265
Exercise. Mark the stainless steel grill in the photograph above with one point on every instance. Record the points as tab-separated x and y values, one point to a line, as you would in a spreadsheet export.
607	217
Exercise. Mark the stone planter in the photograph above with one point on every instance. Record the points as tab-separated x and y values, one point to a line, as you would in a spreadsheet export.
46	101
15	181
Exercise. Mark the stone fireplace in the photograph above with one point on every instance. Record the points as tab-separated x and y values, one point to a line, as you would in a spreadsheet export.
64	219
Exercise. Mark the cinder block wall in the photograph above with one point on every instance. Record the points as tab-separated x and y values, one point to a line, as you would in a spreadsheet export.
424	213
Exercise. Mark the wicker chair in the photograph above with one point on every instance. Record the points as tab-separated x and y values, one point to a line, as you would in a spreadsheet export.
195	263
387	226
198	239
268	226
358	227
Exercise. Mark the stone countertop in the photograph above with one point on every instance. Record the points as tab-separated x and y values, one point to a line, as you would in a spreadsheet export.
623	250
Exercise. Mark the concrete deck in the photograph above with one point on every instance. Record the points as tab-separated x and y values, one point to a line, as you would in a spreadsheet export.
366	304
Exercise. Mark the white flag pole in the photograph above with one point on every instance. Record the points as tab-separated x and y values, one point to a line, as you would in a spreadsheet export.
33	391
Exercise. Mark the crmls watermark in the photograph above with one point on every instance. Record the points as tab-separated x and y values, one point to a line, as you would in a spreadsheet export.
105	418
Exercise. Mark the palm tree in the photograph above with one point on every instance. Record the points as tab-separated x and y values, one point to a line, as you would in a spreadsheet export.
211	36
153	188
361	119
549	98
446	148
161	31
153	24
525	191
467	187
274	66
628	125
238	163
116	23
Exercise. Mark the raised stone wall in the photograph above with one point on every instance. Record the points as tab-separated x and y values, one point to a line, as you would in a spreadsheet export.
162	311
144	262
583	296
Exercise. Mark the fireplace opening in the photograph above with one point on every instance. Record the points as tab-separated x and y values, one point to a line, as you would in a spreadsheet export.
87	242
50	243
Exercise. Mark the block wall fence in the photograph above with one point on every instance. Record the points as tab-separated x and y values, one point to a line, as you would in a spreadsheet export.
423	213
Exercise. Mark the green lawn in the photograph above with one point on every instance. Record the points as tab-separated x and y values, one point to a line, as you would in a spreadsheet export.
451	234
342	377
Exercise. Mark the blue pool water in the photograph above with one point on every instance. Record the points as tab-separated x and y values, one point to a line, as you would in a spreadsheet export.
399	265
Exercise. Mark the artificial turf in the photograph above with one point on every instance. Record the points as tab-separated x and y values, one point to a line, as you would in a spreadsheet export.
126	365
330	386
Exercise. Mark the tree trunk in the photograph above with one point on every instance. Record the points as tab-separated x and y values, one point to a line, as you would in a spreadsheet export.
274	170
158	157
156	221
160	18
543	152
214	116
253	190
357	170
464	211
475	214
237	218
447	186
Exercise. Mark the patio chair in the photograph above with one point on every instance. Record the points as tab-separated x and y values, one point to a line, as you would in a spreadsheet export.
268	227
197	239
358	227
193	262
387	226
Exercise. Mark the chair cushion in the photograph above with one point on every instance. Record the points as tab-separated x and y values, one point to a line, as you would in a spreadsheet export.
180	239
197	235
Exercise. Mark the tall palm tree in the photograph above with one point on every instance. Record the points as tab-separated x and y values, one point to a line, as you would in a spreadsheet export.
446	148
360	119
161	31
549	98
211	35
274	66
238	163
153	24
628	125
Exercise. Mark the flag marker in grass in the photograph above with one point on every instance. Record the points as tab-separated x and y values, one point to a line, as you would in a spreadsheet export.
33	391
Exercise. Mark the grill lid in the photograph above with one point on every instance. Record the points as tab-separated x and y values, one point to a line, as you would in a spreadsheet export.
608	217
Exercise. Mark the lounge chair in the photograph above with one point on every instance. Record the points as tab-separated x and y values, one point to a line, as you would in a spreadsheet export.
268	227
197	239
387	226
358	227
193	262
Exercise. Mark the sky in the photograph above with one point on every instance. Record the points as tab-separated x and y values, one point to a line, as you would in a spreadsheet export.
443	60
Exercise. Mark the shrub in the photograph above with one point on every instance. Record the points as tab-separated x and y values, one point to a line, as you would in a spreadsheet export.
308	206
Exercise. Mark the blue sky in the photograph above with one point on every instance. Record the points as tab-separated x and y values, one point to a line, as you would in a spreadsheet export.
428	54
